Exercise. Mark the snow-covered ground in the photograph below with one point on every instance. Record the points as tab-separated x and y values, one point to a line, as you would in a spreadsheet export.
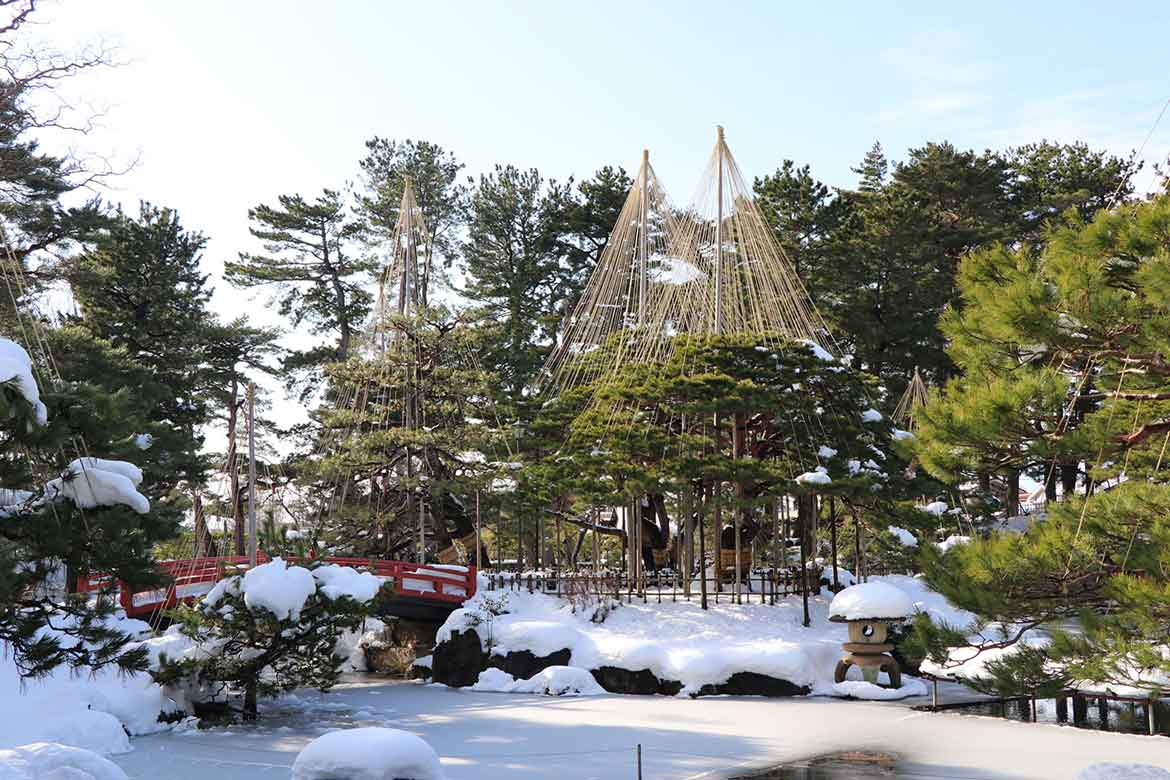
496	736
679	640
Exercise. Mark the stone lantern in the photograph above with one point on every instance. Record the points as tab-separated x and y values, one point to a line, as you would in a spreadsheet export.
869	609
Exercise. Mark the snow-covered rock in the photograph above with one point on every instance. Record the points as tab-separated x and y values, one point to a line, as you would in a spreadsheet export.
367	754
553	681
50	761
16	367
871	600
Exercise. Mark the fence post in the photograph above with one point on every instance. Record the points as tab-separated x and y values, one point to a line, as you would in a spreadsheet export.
639	761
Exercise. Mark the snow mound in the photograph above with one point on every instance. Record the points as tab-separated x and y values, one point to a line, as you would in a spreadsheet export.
49	761
900	435
367	754
345	581
936	508
870	601
1108	770
16	367
553	681
92	730
279	588
94	482
905	538
860	689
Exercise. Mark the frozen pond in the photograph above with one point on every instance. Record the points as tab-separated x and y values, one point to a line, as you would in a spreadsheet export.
489	736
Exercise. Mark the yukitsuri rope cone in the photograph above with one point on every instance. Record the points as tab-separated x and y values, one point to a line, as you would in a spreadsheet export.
911	403
713	268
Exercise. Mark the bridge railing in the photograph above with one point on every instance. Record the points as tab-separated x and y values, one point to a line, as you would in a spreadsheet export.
191	579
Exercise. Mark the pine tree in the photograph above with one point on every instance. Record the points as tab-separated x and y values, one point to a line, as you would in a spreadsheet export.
380	474
66	518
320	278
434	174
810	223
512	260
140	288
282	638
873	170
1088	312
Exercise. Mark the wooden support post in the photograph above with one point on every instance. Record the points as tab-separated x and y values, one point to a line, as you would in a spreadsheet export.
833	531
703	552
478	534
252	545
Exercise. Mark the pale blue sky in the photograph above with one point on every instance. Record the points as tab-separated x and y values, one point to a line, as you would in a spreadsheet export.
228	104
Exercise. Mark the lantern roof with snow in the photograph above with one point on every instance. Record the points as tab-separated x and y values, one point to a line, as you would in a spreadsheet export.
870	601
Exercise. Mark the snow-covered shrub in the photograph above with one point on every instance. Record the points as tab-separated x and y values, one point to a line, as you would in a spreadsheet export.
271	630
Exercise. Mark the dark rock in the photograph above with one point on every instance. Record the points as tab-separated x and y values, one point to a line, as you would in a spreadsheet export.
753	684
643	681
459	660
523	664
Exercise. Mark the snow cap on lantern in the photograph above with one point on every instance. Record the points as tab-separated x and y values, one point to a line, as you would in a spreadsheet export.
871	601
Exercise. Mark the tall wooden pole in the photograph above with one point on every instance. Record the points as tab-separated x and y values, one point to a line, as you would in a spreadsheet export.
252	546
719	231
833	539
478	534
643	239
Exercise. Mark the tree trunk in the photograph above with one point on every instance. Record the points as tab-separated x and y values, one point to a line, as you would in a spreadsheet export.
1011	490
1068	480
233	470
250	709
806	514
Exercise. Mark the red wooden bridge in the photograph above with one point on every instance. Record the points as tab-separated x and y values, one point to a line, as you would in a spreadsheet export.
418	588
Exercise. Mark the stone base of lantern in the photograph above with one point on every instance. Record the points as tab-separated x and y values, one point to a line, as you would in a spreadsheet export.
879	662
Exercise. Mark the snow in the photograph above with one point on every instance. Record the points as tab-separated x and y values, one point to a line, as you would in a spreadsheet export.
905	538
499	736
825	451
679	640
369	753
16	367
936	508
871	415
345	581
870	601
49	761
143	441
90	711
553	681
818	351
952	541
277	587
1107	770
818	476
94	482
860	689
900	435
